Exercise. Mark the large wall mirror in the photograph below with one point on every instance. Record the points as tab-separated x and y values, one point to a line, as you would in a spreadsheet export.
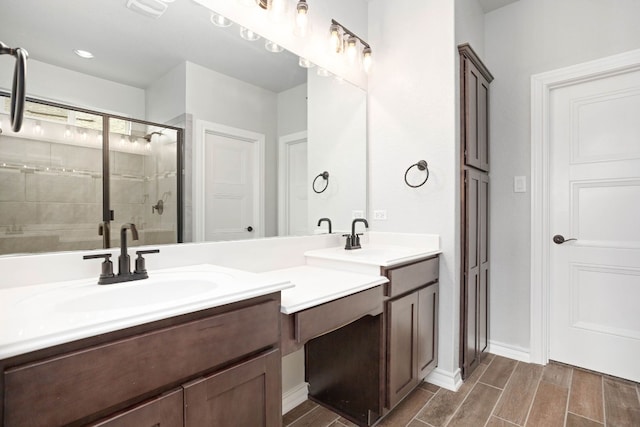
260	131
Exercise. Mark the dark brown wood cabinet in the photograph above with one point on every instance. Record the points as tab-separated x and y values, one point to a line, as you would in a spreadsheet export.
163	411
474	166
412	323
474	91
248	394
137	376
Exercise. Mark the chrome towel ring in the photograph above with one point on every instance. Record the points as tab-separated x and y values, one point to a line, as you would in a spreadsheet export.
18	93
324	175
421	165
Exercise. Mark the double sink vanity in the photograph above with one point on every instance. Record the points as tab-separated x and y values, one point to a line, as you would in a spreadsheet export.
202	344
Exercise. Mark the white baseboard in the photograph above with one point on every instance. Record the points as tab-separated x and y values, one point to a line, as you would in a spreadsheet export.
445	379
509	351
293	397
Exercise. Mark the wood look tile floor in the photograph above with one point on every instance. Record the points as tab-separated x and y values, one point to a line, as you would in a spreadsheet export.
505	393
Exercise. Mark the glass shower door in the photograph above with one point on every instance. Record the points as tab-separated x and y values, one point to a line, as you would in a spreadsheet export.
143	181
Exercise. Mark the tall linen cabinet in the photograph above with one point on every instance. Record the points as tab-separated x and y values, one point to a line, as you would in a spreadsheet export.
474	135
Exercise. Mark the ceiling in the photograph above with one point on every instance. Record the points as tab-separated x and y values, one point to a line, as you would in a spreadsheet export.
136	50
491	5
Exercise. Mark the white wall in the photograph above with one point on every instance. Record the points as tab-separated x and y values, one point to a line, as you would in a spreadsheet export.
412	117
58	84
292	110
337	144
525	38
166	98
218	98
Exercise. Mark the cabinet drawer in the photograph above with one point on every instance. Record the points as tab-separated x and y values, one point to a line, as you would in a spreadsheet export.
164	411
79	384
325	318
409	277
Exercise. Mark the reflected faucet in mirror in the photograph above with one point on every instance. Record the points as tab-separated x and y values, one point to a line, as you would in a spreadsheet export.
353	239
327	220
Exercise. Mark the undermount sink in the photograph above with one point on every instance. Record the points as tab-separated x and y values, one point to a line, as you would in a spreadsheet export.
158	289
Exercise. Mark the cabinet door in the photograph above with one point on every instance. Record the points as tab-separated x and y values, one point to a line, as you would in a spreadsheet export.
476	269
476	124
402	349
427	330
248	394
164	411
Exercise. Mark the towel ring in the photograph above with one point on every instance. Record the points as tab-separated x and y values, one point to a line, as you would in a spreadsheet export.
325	176
422	165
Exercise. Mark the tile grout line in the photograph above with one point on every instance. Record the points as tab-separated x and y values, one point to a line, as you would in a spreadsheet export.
501	393
506	421
302	416
566	409
582	416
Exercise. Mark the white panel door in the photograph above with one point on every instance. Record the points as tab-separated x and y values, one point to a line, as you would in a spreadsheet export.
594	133
229	188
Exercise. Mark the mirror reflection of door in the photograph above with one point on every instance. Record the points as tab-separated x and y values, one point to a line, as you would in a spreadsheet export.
293	185
231	185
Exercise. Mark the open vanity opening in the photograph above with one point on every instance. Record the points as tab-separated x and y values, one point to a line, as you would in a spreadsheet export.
367	351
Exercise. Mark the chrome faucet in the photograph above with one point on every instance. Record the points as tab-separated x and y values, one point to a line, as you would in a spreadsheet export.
124	262
327	220
353	239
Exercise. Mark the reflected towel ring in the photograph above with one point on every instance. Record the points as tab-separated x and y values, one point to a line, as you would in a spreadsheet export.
422	165
18	93
325	176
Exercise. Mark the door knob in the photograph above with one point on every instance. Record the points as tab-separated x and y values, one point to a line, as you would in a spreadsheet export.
559	239
249	228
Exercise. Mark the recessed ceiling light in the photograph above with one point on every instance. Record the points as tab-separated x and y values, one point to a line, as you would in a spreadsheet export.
83	53
219	20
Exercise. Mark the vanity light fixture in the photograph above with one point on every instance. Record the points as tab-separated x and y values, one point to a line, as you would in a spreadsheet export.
247	34
83	54
302	17
272	47
337	35
264	4
219	20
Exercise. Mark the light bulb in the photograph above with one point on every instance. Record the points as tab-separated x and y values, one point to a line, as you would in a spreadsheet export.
305	63
302	17
335	39
67	132
121	140
247	34
37	128
323	72
83	135
219	20
272	47
352	51
366	59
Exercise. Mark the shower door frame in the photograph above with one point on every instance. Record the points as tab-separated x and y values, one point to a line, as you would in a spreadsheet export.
107	212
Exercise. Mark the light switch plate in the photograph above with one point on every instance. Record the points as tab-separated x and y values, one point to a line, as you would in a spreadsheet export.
519	184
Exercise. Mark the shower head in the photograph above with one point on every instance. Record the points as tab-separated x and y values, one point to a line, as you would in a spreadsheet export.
148	136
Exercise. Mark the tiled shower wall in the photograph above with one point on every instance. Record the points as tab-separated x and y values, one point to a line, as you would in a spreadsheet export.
51	195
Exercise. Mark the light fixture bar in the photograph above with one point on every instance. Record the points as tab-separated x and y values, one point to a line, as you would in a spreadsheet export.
351	33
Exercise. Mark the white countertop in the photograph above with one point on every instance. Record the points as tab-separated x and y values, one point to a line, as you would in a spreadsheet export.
315	286
39	316
380	255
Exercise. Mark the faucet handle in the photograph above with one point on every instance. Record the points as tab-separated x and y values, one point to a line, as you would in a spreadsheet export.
140	261
349	242
107	266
